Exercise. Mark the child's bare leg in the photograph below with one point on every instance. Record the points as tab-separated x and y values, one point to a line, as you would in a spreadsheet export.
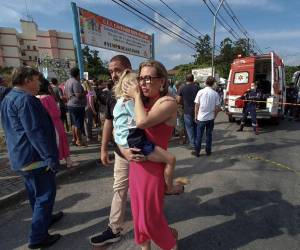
146	245
161	155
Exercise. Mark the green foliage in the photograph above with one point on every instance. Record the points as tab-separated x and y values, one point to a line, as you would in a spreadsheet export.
225	58
203	50
93	64
289	71
183	70
6	70
228	51
242	47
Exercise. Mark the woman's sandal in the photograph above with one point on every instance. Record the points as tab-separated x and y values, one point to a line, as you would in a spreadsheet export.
180	181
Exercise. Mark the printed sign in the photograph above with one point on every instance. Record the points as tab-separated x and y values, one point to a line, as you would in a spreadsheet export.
104	33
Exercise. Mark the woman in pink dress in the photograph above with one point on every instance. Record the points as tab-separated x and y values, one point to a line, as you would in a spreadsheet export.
52	108
146	179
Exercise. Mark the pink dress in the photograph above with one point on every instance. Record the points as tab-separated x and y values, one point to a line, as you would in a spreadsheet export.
147	188
50	105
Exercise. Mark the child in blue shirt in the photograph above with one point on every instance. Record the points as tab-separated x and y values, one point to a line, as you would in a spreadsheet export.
127	135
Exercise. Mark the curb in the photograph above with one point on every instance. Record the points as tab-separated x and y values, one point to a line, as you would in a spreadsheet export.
20	195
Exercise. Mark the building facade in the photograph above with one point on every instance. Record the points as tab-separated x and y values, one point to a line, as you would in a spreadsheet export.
31	45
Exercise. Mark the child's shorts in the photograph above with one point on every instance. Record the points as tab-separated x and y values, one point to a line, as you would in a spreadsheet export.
137	139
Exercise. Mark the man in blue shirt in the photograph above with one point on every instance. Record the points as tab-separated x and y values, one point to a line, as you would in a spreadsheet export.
32	150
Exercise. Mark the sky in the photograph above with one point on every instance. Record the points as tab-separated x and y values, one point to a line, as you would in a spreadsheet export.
274	24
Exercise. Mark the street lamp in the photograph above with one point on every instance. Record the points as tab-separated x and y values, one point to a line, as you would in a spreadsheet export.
214	39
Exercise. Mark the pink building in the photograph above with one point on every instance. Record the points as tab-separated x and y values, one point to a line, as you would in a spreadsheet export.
17	49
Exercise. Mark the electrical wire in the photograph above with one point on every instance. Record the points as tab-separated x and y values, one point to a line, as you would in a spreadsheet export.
155	24
170	21
183	19
237	22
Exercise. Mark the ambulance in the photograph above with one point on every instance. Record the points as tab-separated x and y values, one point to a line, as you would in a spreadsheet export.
267	70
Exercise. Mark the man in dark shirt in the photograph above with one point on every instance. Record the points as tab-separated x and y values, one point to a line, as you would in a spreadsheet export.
120	187
187	95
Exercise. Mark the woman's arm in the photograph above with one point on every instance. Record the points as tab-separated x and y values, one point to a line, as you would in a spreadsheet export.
163	110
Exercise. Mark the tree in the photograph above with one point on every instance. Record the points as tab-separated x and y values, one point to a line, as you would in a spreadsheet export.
93	64
289	71
183	70
203	51
225	58
242	47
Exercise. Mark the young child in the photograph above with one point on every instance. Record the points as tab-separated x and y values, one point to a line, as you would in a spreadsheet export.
127	135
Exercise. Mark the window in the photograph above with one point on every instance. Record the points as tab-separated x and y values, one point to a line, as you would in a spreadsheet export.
28	46
23	53
21	42
34	48
241	77
30	57
35	58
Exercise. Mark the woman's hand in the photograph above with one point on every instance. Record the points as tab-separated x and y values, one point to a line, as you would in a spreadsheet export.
131	89
131	154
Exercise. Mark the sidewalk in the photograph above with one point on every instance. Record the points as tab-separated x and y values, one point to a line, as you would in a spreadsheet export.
12	186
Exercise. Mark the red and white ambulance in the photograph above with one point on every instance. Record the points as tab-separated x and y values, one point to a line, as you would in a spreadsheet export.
267	71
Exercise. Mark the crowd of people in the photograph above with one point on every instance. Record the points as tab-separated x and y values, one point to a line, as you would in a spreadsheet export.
141	109
138	112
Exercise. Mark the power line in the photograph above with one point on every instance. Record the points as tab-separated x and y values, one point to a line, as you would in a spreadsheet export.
162	27
174	12
170	21
237	22
186	22
155	24
230	30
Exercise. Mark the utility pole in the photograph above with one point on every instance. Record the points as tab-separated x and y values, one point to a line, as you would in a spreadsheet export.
214	39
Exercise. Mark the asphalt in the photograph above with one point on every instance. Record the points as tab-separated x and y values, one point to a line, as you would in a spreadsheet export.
12	188
244	196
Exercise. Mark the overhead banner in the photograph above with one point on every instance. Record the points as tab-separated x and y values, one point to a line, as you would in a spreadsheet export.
104	33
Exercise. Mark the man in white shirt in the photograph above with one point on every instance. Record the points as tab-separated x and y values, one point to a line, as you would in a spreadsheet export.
207	106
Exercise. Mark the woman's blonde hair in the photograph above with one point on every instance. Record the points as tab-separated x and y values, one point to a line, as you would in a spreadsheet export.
127	76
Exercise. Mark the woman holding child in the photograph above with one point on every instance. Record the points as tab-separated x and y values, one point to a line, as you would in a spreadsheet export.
155	113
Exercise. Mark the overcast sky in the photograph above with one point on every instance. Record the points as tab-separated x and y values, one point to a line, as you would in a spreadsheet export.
274	24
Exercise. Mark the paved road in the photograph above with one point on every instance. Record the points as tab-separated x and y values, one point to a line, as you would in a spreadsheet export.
244	196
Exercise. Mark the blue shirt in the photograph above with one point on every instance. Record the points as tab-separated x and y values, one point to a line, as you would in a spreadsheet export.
29	131
124	119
